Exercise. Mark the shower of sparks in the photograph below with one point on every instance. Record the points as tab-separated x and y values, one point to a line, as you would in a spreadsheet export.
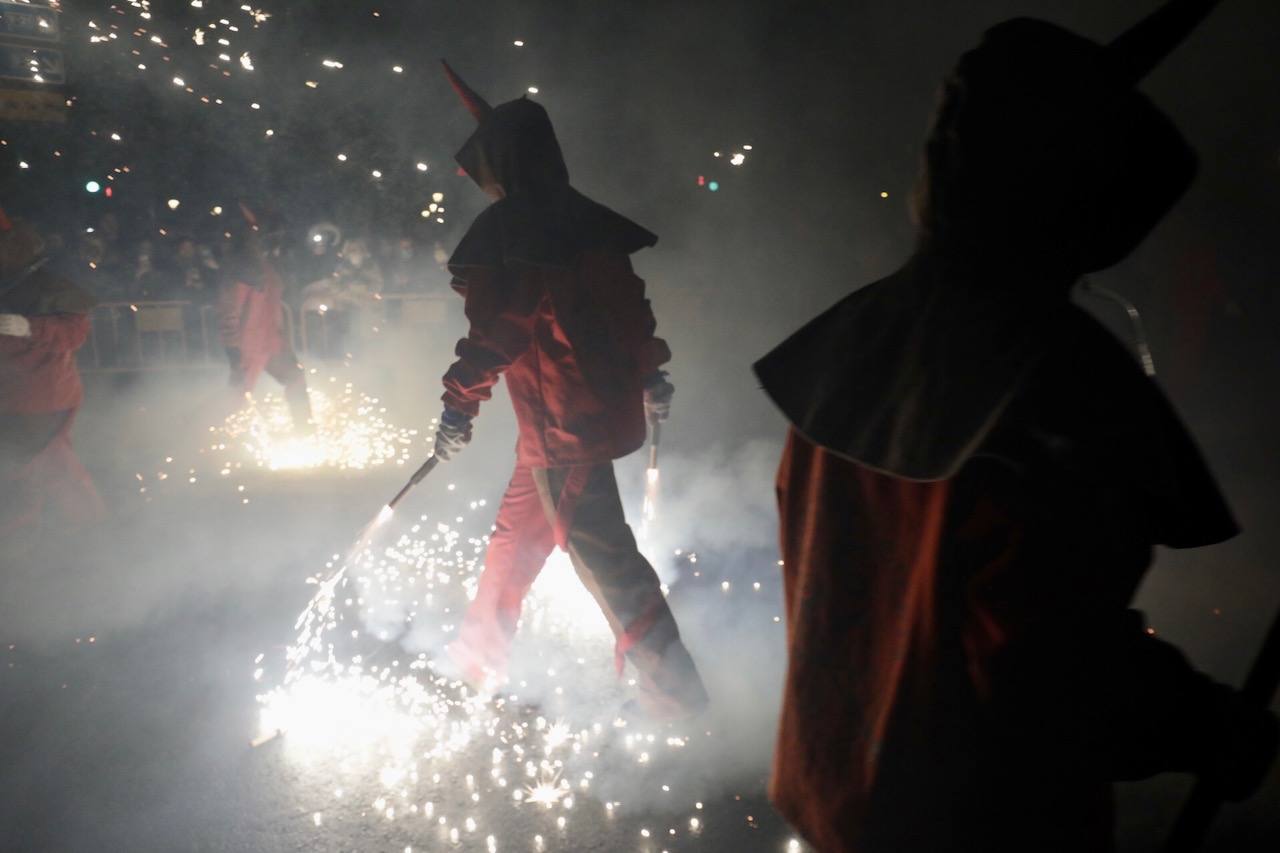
649	509
359	699
349	433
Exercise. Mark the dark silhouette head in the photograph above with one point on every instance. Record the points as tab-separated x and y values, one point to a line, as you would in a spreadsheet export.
1042	151
514	150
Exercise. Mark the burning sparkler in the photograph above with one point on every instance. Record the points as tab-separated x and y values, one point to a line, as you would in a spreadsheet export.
649	509
360	699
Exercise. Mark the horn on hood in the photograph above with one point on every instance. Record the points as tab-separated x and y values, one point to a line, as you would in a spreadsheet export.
1145	45
475	104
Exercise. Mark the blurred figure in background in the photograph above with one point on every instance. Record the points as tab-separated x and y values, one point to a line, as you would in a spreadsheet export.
194	272
336	308
251	322
43	321
318	258
403	264
554	305
976	478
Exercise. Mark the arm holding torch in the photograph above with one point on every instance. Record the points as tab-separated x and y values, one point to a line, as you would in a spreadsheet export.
657	408
453	434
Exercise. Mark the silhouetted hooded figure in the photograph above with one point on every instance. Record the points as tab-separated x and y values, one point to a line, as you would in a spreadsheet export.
251	322
554	306
975	479
44	320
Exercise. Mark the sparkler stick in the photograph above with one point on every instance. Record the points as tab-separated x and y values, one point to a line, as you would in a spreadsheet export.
1192	826
649	510
418	477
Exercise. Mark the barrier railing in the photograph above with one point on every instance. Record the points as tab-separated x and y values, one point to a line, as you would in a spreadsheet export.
174	334
146	335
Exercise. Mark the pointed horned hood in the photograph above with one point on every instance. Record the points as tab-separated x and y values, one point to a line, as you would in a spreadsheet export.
1041	144
541	219
1043	163
514	144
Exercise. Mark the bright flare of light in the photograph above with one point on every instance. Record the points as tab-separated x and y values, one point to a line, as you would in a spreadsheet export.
649	508
349	433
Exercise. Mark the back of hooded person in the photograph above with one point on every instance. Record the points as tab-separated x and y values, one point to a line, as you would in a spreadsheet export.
44	320
554	307
551	298
975	481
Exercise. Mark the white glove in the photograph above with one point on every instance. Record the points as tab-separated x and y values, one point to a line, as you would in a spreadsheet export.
15	326
453	434
657	398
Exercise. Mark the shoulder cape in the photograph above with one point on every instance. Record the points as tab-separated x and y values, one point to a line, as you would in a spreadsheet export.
551	231
910	375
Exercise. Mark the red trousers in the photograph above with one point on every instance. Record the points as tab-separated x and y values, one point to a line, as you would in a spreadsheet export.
578	509
37	467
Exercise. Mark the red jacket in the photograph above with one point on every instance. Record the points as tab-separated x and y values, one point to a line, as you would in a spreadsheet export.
38	374
889	740
40	390
251	319
576	344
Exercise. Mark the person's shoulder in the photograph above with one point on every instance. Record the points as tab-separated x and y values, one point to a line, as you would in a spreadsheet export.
601	227
58	294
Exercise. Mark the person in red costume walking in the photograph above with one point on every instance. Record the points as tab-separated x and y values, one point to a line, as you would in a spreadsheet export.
975	480
44	319
251	323
555	307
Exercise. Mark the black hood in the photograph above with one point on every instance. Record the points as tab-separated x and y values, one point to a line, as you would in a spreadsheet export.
1043	163
1041	148
540	220
515	146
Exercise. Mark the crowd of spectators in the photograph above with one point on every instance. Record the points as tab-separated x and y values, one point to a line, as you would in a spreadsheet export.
330	281
321	265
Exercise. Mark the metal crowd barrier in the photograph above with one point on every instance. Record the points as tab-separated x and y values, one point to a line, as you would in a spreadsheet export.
147	335
174	334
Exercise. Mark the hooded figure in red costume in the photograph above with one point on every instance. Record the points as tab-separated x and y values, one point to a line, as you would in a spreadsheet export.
976	477
554	306
44	319
251	323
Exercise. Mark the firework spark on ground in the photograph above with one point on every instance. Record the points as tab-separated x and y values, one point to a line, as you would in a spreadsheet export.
351	434
358	698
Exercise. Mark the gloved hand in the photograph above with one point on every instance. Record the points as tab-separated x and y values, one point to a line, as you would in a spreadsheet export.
453	434
657	398
15	326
